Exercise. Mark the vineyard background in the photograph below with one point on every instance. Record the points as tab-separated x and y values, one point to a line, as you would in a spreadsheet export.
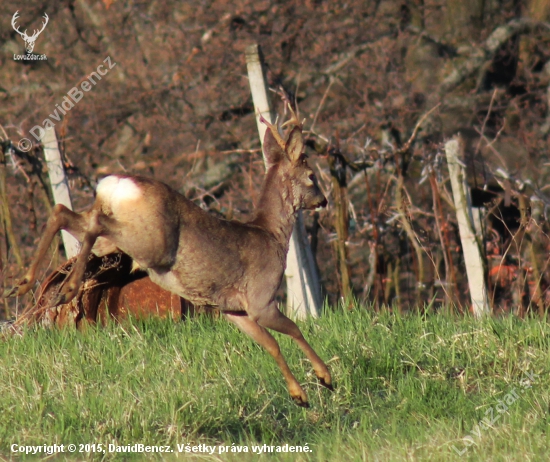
382	85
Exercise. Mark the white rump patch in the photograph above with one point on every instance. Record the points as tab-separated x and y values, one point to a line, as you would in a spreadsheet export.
115	191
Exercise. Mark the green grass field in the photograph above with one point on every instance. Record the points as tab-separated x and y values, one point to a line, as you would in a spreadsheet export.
407	388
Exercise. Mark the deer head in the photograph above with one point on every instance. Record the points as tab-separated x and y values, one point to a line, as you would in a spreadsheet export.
288	155
29	41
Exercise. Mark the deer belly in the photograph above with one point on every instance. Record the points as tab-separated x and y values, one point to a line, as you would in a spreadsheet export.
146	247
201	291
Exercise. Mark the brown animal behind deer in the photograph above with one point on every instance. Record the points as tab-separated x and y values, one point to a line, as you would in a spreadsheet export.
234	266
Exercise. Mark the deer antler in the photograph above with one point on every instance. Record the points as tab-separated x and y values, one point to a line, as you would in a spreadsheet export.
24	34
274	130
37	33
14	25
293	119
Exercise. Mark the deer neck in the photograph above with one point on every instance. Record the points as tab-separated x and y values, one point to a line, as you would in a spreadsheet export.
275	211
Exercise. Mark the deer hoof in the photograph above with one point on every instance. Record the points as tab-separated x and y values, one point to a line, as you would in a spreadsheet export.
64	297
299	396
326	384
20	289
300	401
59	300
10	292
325	379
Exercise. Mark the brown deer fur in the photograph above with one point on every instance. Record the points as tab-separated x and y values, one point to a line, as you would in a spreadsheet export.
234	266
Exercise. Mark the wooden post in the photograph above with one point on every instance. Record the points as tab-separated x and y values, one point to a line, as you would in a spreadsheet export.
59	184
302	280
475	270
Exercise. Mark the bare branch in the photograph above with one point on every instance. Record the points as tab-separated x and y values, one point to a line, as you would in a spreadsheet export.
498	38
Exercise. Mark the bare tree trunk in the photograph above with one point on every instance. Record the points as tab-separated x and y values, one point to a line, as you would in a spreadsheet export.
465	18
6	212
339	183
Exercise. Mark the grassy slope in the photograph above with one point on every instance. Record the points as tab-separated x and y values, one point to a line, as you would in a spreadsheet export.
407	388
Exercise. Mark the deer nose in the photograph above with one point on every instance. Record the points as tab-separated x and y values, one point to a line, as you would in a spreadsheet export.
323	203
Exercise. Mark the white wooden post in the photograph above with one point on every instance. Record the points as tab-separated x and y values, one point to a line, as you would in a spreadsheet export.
59	184
302	280
470	245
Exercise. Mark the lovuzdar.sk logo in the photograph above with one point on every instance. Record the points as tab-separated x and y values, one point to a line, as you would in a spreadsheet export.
29	40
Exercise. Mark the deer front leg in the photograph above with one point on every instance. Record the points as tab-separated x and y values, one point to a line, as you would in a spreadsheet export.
273	319
265	339
61	218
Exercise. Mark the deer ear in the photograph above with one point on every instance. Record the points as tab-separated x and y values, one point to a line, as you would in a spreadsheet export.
295	144
273	153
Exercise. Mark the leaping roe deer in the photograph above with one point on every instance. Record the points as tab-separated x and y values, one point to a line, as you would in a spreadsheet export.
234	266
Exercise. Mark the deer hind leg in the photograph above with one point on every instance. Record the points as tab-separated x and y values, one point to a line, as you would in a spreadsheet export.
72	285
265	339
273	319
61	218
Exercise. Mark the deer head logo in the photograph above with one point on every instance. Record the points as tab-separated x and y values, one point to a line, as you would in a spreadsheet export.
29	41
